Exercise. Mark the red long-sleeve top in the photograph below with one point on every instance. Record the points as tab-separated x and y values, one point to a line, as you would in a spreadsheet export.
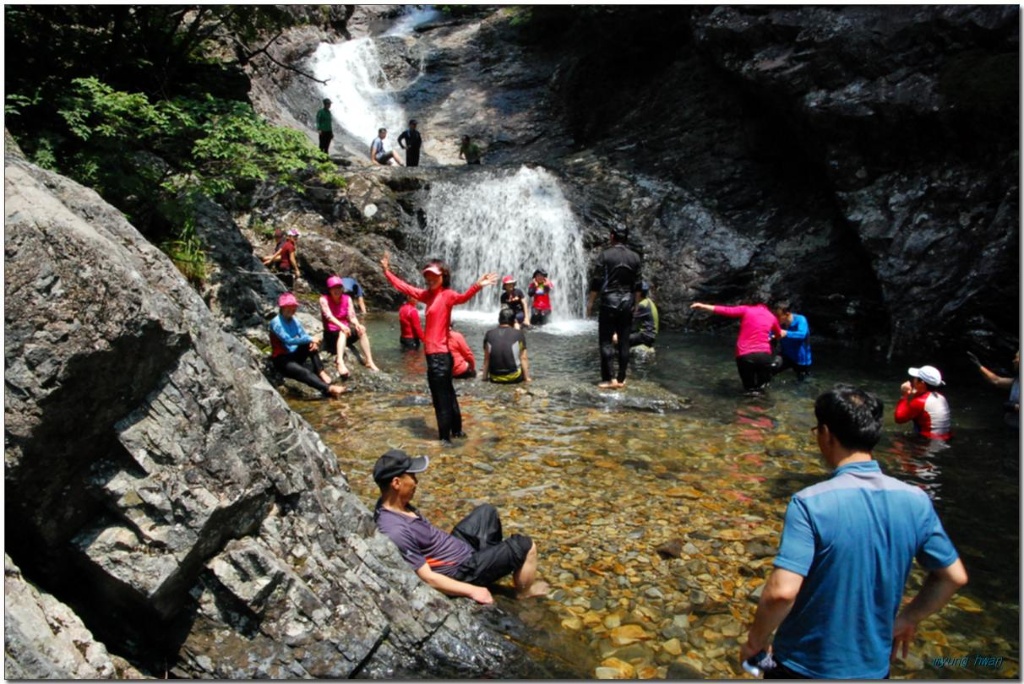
462	355
409	320
439	310
757	324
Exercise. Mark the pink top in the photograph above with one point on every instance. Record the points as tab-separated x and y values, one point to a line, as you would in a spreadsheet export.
439	310
339	309
756	322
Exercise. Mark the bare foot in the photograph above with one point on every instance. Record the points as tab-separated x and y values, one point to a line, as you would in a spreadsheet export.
608	384
372	366
336	390
538	588
325	377
343	370
618	385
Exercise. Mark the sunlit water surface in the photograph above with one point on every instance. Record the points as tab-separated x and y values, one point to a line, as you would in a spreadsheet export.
600	487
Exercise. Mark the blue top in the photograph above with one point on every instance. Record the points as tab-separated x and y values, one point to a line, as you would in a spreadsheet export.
796	345
289	332
352	287
853	538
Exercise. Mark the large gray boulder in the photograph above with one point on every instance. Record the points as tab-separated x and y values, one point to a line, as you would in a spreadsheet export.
156	482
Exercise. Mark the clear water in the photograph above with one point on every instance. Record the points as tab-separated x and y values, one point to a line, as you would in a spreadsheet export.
600	487
512	223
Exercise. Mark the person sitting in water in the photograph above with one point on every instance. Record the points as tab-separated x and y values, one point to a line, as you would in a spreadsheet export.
645	318
539	290
379	153
463	361
1012	404
513	298
410	325
502	346
291	347
796	345
753	344
464	563
922	403
341	327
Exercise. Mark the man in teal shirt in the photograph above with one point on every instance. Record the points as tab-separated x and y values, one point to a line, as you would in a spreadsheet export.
847	547
325	125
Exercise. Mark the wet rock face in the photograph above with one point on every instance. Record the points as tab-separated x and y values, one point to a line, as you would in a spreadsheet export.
157	485
857	160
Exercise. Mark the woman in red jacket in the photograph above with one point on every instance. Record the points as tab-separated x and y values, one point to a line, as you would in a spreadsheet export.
440	300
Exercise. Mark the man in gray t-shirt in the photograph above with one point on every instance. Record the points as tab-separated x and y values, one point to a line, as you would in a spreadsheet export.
463	563
505	357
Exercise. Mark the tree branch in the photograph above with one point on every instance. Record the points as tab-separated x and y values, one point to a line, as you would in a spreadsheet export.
265	51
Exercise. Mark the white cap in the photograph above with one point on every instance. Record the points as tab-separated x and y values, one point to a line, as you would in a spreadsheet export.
929	374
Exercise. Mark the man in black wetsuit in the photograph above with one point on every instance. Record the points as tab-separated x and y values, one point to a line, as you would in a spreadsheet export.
614	277
411	140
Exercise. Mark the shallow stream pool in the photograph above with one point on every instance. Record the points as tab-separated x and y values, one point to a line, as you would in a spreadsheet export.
602	484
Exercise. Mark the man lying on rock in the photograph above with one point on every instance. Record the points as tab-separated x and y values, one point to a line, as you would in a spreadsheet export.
463	563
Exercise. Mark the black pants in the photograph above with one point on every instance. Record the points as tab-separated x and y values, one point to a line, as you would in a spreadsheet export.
801	371
780	671
409	343
412	156
293	366
614	320
494	556
637	339
755	370
442	392
325	141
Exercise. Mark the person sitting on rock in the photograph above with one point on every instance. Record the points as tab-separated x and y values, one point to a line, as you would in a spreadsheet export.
285	259
341	327
645	318
464	563
463	361
291	347
354	290
502	346
379	153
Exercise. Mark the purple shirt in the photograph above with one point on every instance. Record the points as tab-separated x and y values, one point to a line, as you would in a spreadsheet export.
422	543
756	322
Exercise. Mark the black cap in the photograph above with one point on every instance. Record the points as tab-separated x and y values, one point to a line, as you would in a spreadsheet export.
396	462
413	122
540	271
620	232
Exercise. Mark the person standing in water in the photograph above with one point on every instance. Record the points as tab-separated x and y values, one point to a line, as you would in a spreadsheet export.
753	344
614	277
410	328
440	299
539	290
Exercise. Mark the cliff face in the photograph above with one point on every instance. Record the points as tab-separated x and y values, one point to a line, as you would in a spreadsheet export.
861	161
160	489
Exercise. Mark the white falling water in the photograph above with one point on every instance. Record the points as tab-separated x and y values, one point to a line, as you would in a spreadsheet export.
362	99
513	224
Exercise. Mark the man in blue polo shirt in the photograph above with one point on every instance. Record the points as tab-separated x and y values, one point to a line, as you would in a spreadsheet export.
847	548
796	341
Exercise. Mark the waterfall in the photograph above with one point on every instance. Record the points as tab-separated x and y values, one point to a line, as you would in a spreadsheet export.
362	100
512	223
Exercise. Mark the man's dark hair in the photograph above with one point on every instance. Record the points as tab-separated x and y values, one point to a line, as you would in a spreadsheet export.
782	305
506	316
852	414
381	130
446	273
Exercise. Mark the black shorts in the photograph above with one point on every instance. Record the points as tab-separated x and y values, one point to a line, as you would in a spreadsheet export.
487	566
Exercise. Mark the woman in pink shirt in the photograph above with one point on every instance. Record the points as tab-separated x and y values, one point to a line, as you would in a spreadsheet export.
753	345
341	327
440	300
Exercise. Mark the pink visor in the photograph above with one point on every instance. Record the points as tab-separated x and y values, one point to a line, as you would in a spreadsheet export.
433	268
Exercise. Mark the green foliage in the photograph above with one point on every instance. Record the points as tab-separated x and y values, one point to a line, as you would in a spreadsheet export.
186	250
